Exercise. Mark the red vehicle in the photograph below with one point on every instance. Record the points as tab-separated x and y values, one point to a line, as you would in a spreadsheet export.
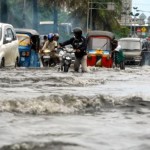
99	48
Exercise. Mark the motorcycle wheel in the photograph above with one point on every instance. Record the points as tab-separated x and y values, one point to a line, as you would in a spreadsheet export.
46	64
62	68
66	68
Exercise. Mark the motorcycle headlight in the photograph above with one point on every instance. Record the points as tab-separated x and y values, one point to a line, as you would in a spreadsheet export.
68	58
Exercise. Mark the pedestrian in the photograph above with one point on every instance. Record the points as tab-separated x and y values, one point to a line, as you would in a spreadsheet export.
117	55
79	44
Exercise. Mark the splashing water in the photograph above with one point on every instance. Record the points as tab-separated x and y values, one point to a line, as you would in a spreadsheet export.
42	109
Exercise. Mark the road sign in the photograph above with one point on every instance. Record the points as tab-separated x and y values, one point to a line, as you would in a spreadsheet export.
138	30
143	29
148	20
142	16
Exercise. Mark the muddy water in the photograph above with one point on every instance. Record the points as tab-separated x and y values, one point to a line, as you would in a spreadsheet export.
42	109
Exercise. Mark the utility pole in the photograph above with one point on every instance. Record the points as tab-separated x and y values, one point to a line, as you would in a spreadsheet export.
55	15
35	15
24	14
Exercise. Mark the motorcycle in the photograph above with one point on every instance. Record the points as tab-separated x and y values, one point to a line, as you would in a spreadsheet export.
67	57
46	57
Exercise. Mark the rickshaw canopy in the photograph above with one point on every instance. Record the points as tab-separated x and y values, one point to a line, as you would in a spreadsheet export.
100	33
26	31
97	40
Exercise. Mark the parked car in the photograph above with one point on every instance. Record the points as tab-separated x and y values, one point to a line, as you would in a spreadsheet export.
9	53
133	49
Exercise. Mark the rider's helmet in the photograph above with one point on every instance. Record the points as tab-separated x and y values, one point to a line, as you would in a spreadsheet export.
56	36
77	32
50	36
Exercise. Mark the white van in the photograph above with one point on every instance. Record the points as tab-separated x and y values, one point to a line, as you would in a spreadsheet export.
9	53
132	49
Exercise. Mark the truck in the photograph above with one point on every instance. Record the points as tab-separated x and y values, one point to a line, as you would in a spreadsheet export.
64	29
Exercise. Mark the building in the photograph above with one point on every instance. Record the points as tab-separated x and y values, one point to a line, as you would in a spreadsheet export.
126	18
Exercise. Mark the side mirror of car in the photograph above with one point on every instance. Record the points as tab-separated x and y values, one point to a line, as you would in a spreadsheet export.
8	39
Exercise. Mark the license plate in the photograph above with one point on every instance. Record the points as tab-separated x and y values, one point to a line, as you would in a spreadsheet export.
46	56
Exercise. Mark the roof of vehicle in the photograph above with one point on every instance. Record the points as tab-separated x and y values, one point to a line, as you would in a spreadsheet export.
28	31
4	24
100	33
130	39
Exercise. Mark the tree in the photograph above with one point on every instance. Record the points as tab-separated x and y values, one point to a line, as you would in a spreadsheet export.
77	12
53	7
101	19
4	11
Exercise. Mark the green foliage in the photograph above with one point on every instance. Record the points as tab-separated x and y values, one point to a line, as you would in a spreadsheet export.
74	11
121	32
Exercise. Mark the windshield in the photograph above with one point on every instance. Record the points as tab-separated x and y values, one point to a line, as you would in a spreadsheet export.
130	44
24	39
0	33
99	43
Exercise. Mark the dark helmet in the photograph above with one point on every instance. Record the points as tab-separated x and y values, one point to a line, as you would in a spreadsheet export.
56	36
50	36
114	43
77	32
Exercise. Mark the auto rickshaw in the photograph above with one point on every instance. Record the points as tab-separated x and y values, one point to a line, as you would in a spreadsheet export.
99	48
29	44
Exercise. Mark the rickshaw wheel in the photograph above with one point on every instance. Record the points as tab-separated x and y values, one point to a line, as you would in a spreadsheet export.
2	64
17	63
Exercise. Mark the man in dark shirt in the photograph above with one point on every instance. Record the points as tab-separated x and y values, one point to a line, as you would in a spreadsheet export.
79	45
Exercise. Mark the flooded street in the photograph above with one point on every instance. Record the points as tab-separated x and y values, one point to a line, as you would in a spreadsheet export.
43	109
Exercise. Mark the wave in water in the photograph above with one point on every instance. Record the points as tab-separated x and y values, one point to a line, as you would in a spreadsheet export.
69	104
54	145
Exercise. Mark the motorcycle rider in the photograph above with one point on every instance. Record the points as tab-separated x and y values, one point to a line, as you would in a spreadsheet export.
56	37
79	44
45	38
52	46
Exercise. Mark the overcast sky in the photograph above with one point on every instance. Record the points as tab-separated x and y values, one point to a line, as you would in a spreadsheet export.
143	5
